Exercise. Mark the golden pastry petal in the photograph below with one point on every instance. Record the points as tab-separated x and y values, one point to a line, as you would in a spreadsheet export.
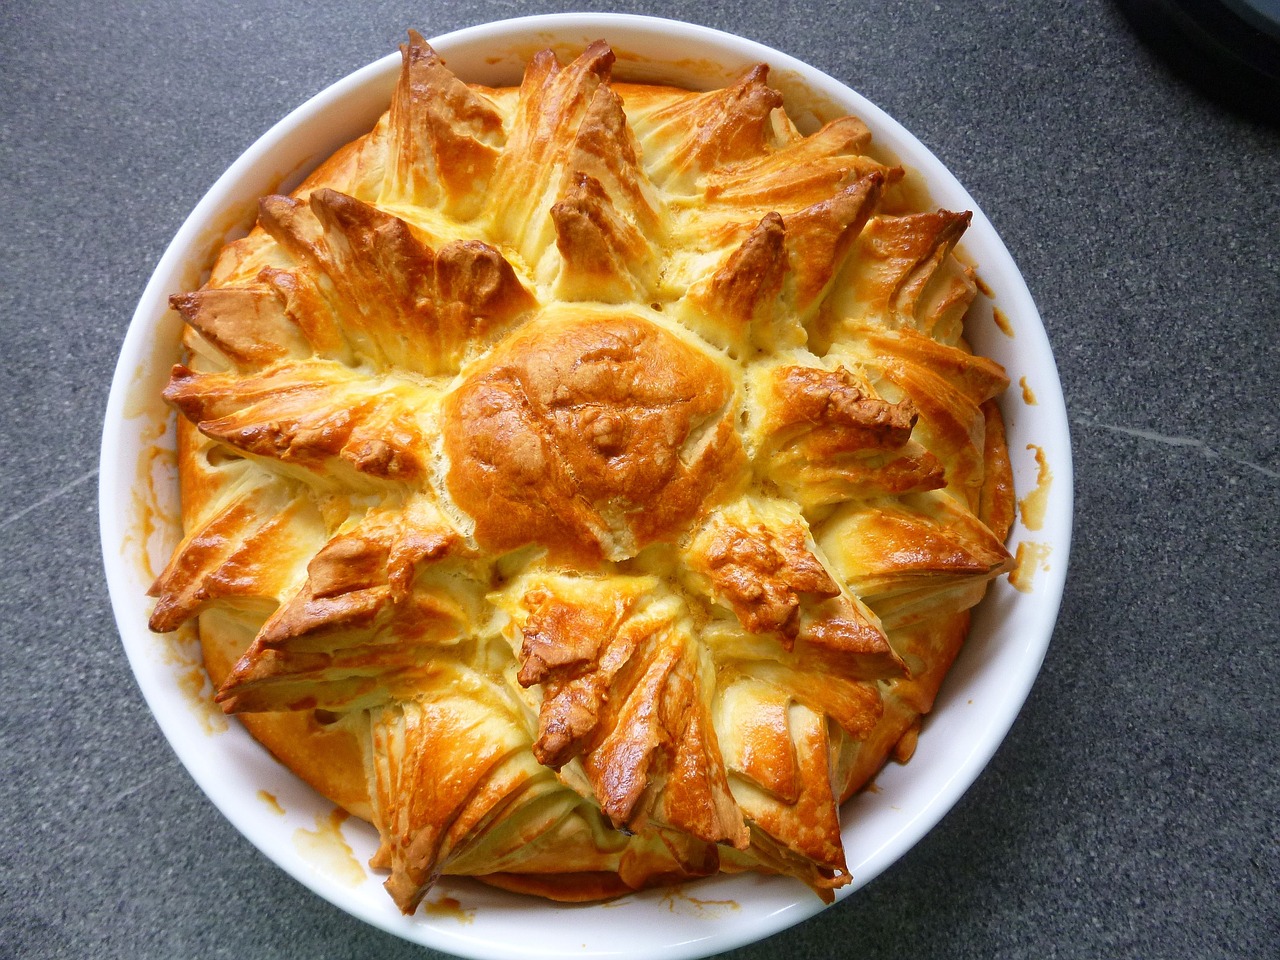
396	301
841	648
247	325
624	691
901	273
776	750
845	633
830	410
996	507
753	721
605	257
605	149
553	102
382	609
245	551
317	416
761	296
917	556
802	172
930	646
606	218
659	759
821	236
737	306
947	385
756	558
824	437
977	378
446	767
575	635
305	303
444	137
690	136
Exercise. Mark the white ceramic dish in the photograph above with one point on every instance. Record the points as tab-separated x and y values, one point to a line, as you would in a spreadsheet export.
294	826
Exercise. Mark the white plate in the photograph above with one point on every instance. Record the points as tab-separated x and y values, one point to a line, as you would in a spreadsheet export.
291	824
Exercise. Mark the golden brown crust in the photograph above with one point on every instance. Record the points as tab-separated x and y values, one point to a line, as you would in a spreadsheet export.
592	434
587	484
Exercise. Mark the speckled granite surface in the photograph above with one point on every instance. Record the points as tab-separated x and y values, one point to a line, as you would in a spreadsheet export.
1131	812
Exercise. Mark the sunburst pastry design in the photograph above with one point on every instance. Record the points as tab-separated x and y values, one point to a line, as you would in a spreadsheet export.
587	483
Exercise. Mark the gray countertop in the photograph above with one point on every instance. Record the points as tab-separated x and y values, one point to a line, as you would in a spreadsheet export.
1132	810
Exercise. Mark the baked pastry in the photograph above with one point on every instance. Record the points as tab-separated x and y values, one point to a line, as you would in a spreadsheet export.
587	483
